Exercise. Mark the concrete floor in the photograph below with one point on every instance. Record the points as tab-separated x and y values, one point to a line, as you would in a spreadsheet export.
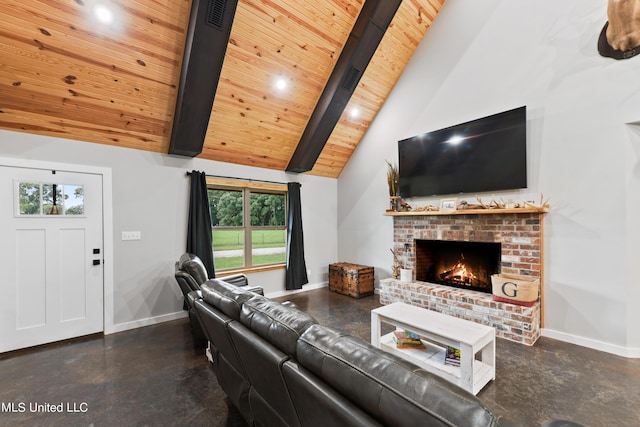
157	376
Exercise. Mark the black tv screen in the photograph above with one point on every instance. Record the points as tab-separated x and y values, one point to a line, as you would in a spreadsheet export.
487	154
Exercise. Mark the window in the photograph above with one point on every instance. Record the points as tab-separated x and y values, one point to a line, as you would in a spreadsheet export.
43	199
248	224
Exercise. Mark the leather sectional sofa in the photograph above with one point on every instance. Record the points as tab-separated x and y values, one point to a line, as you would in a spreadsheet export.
279	367
190	273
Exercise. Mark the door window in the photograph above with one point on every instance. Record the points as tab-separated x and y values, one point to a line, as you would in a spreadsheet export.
46	199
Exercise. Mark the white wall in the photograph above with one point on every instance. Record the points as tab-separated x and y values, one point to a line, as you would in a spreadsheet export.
483	57
150	195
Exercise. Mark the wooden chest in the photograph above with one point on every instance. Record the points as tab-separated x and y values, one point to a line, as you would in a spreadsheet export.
351	279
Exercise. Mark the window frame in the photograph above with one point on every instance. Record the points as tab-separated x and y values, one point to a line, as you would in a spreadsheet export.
247	188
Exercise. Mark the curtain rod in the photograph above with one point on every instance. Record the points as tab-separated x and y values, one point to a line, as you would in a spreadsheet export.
242	179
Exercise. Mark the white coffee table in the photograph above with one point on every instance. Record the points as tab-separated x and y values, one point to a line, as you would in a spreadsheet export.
477	343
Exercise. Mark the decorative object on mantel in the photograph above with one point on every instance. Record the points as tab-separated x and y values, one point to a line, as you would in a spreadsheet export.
466	205
437	212
501	204
392	182
396	202
448	205
520	290
427	208
543	203
404	206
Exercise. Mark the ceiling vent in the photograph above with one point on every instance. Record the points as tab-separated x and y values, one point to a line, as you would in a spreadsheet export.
215	13
352	78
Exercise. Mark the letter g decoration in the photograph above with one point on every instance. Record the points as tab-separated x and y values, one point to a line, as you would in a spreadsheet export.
513	290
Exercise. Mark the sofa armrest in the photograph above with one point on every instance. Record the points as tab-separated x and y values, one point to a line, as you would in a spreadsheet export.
242	281
236	279
193	296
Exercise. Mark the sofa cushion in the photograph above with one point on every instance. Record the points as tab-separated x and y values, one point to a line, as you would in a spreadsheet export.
392	390
225	297
279	324
319	405
270	401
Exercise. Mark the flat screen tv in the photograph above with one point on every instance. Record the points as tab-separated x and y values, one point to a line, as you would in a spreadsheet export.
487	154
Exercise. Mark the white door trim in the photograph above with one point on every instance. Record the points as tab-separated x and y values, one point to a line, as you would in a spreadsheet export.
107	206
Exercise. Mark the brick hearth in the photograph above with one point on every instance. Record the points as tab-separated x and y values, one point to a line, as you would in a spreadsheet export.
521	237
512	322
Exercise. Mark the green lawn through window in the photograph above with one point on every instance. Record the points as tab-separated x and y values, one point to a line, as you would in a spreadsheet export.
232	240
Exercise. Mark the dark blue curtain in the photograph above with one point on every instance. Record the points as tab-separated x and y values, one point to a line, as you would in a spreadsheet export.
199	228
296	273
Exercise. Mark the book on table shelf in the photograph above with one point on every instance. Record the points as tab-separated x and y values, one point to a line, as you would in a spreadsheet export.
452	356
406	339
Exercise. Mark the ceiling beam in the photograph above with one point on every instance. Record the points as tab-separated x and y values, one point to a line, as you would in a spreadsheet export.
371	25
205	47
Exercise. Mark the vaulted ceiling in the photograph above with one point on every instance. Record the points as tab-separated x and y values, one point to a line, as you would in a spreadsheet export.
65	73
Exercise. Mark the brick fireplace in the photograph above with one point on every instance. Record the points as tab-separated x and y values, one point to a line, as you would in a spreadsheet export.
520	235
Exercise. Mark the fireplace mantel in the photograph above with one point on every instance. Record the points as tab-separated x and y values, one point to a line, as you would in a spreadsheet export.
495	211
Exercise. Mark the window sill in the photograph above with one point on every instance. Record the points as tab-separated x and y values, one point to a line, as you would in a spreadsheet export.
250	270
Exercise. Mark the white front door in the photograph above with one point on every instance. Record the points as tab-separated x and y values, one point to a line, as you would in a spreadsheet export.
51	256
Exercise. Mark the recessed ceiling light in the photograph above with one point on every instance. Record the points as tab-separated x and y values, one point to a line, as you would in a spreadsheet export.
281	83
355	112
103	13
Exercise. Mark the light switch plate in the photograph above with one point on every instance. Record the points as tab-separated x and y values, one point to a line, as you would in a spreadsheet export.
131	235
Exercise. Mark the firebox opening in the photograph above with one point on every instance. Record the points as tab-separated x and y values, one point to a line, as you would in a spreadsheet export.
467	265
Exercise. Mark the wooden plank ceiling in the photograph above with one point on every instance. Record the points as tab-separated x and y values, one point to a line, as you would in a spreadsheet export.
63	73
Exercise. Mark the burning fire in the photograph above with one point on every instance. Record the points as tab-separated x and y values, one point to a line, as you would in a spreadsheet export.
459	273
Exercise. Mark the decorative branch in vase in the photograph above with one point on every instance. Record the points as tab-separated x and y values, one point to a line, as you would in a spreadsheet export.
396	265
392	182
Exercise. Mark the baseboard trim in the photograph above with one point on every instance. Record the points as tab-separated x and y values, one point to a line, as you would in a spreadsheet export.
305	288
627	352
121	327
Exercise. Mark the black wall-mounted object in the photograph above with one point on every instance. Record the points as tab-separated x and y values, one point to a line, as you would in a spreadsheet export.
205	47
481	155
371	25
